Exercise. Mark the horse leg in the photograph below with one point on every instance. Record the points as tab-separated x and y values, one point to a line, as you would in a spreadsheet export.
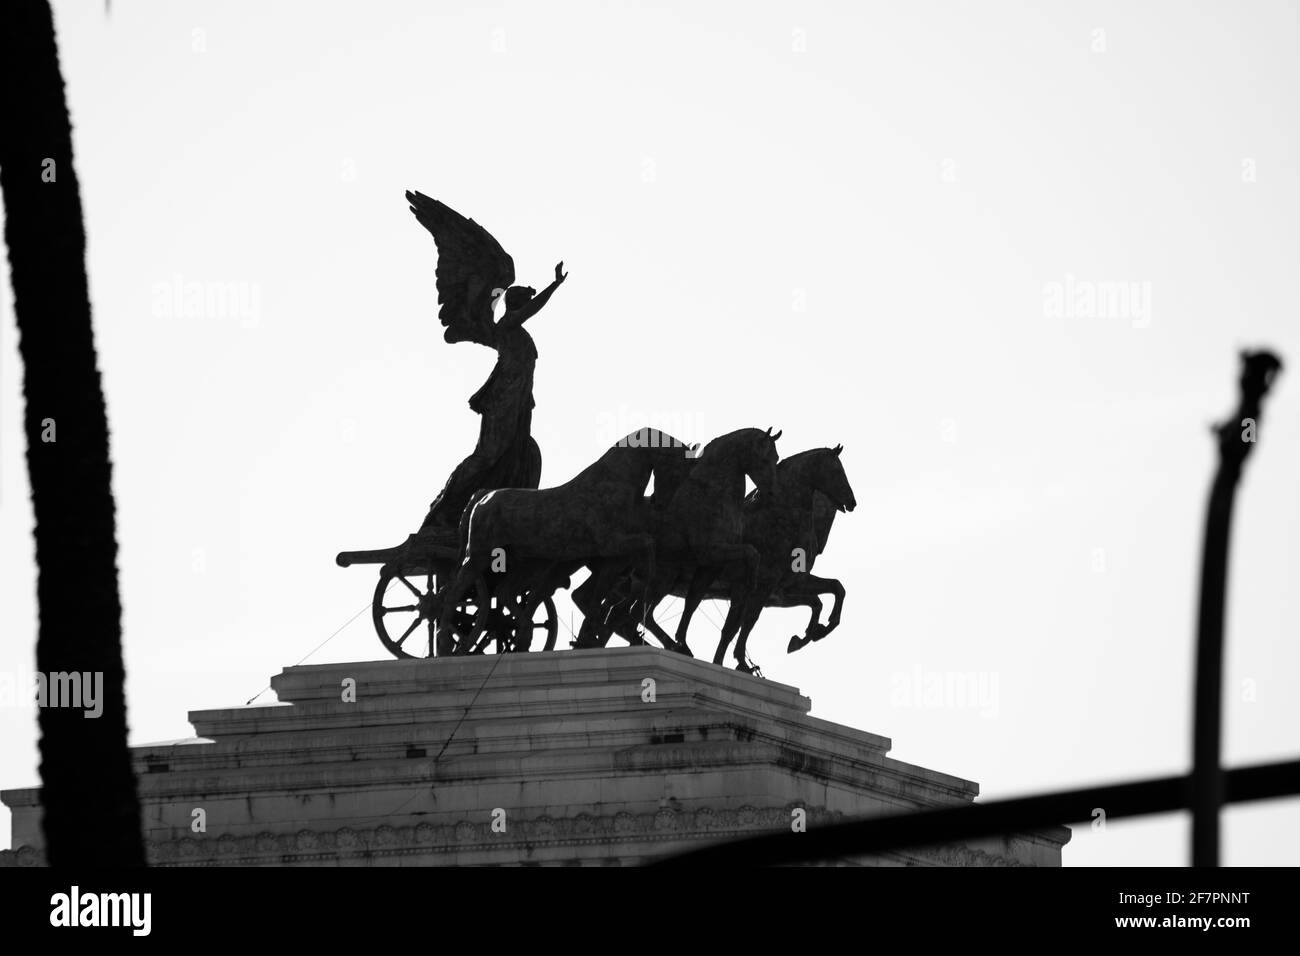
714	560
647	555
608	605
814	629
796	592
581	593
655	591
657	630
701	578
630	616
729	628
804	591
753	609
639	549
455	592
527	607
626	614
591	601
837	589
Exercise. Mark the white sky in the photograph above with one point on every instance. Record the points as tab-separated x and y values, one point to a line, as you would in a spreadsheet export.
851	241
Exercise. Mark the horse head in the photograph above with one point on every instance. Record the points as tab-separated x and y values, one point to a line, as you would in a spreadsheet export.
831	480
816	471
760	457
746	451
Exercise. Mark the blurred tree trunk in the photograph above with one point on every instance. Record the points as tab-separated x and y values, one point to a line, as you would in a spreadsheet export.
92	812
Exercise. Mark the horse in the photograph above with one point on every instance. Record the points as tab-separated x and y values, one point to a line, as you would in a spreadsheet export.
810	489
541	536
589	597
804	589
701	530
786	535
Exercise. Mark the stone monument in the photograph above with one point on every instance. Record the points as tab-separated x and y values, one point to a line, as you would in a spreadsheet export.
579	758
453	755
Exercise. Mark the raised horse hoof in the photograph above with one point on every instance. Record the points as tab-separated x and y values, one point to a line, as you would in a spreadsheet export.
796	643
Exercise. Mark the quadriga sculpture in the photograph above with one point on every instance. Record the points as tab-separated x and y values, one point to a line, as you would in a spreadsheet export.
788	531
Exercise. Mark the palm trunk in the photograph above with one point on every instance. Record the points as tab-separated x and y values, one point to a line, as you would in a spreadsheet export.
92	813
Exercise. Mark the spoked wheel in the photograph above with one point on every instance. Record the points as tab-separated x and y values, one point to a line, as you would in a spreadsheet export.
499	636
407	606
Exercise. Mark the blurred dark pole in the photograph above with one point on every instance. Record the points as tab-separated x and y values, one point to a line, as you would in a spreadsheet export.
91	808
1236	438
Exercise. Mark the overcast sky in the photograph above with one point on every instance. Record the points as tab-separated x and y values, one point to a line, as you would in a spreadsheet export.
900	226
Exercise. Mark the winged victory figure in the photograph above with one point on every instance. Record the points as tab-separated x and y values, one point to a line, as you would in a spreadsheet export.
473	270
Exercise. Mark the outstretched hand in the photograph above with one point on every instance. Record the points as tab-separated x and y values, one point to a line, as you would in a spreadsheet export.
560	274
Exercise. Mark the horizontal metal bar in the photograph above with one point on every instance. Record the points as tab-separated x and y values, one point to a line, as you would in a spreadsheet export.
972	821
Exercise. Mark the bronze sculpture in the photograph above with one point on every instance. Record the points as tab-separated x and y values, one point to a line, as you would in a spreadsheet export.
546	534
493	548
785	533
789	532
473	270
702	531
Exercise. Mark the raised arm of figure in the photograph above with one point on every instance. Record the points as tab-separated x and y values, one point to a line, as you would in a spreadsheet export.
514	318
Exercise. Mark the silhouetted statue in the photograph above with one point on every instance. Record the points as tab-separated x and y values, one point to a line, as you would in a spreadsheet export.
701	530
472	271
593	518
493	548
789	529
788	536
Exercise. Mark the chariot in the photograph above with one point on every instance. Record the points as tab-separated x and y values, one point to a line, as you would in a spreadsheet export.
409	596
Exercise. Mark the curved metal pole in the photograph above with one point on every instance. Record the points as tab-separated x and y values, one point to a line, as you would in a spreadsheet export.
1236	439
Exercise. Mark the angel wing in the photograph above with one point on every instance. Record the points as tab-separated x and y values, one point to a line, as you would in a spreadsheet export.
471	265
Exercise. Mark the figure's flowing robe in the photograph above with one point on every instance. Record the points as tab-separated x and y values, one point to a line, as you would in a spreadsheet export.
505	456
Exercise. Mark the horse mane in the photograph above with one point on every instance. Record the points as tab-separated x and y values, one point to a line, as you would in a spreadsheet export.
823	517
722	441
806	453
647	437
644	439
798	458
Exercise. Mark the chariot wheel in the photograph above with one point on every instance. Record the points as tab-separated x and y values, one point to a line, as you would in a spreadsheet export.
499	634
407	606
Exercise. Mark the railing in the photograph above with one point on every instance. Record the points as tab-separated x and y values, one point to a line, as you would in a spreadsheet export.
1203	791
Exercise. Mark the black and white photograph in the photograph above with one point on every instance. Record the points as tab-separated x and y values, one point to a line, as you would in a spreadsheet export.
463	436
